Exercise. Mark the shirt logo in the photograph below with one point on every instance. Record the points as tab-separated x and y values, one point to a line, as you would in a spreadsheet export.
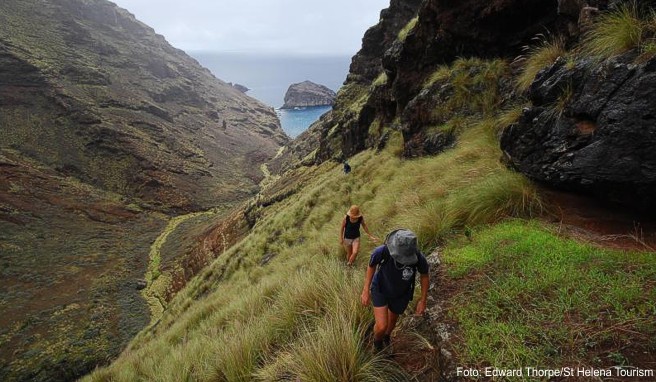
407	273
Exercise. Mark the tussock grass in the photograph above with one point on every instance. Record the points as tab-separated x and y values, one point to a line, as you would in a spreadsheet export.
299	316
473	84
616	32
534	298
403	33
537	57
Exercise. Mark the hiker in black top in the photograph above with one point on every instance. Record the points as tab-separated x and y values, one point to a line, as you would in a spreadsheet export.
349	234
390	282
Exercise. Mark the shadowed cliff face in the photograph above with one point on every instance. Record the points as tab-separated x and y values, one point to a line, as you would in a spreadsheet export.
343	131
105	129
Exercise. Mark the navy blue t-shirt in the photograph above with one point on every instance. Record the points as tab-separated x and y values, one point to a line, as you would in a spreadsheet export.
395	279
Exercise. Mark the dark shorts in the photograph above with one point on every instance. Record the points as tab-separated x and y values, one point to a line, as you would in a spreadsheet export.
395	304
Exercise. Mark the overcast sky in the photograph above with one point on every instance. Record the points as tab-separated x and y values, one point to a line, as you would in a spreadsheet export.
333	27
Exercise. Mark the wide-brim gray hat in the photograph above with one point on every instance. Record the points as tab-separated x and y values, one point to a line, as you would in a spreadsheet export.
402	245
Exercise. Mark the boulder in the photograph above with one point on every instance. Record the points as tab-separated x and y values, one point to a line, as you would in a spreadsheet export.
590	129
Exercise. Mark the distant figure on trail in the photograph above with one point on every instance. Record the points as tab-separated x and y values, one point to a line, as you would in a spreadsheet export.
390	282
349	233
347	168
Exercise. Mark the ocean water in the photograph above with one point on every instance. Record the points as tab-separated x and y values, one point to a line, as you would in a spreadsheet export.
269	76
296	121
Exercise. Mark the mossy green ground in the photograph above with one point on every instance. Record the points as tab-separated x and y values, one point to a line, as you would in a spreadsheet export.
528	297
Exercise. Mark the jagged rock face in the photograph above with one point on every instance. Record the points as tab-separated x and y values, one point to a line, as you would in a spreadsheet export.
308	94
450	29
345	132
591	129
366	65
445	30
103	126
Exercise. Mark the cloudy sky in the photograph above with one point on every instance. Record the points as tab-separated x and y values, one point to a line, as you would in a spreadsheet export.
266	26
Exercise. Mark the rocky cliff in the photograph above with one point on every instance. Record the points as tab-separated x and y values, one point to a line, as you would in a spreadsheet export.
409	86
308	94
105	131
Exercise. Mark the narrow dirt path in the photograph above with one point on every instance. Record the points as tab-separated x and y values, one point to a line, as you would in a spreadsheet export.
157	282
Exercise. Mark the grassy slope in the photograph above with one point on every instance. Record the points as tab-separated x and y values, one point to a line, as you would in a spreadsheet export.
298	316
241	319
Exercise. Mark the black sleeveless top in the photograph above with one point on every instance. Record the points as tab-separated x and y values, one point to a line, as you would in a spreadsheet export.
352	230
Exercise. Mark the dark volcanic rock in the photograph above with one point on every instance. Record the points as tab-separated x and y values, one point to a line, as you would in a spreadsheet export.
366	65
307	94
450	29
443	32
591	129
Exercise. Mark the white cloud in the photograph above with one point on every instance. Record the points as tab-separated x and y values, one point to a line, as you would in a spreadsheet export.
280	26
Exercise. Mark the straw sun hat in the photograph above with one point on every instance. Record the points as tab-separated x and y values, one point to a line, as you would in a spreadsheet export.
354	212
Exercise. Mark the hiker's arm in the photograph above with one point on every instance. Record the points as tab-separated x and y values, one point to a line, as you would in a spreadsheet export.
366	229
341	232
366	292
425	283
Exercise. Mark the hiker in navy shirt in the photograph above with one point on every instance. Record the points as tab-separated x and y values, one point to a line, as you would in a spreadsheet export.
390	282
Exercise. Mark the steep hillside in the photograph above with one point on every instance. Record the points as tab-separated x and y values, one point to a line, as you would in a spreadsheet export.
106	131
517	279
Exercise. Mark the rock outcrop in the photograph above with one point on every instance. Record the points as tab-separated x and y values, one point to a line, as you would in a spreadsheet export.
308	94
239	87
591	128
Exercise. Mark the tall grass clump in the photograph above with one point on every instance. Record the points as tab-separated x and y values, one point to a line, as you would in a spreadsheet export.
537	57
474	85
403	33
620	31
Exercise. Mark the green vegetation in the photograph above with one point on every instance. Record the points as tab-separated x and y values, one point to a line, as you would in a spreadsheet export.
280	304
380	80
157	283
403	33
616	32
612	34
299	315
533	298
471	87
537	58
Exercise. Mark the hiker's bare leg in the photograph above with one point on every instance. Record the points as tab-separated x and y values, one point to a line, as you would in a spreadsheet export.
354	254
391	321
380	328
349	250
